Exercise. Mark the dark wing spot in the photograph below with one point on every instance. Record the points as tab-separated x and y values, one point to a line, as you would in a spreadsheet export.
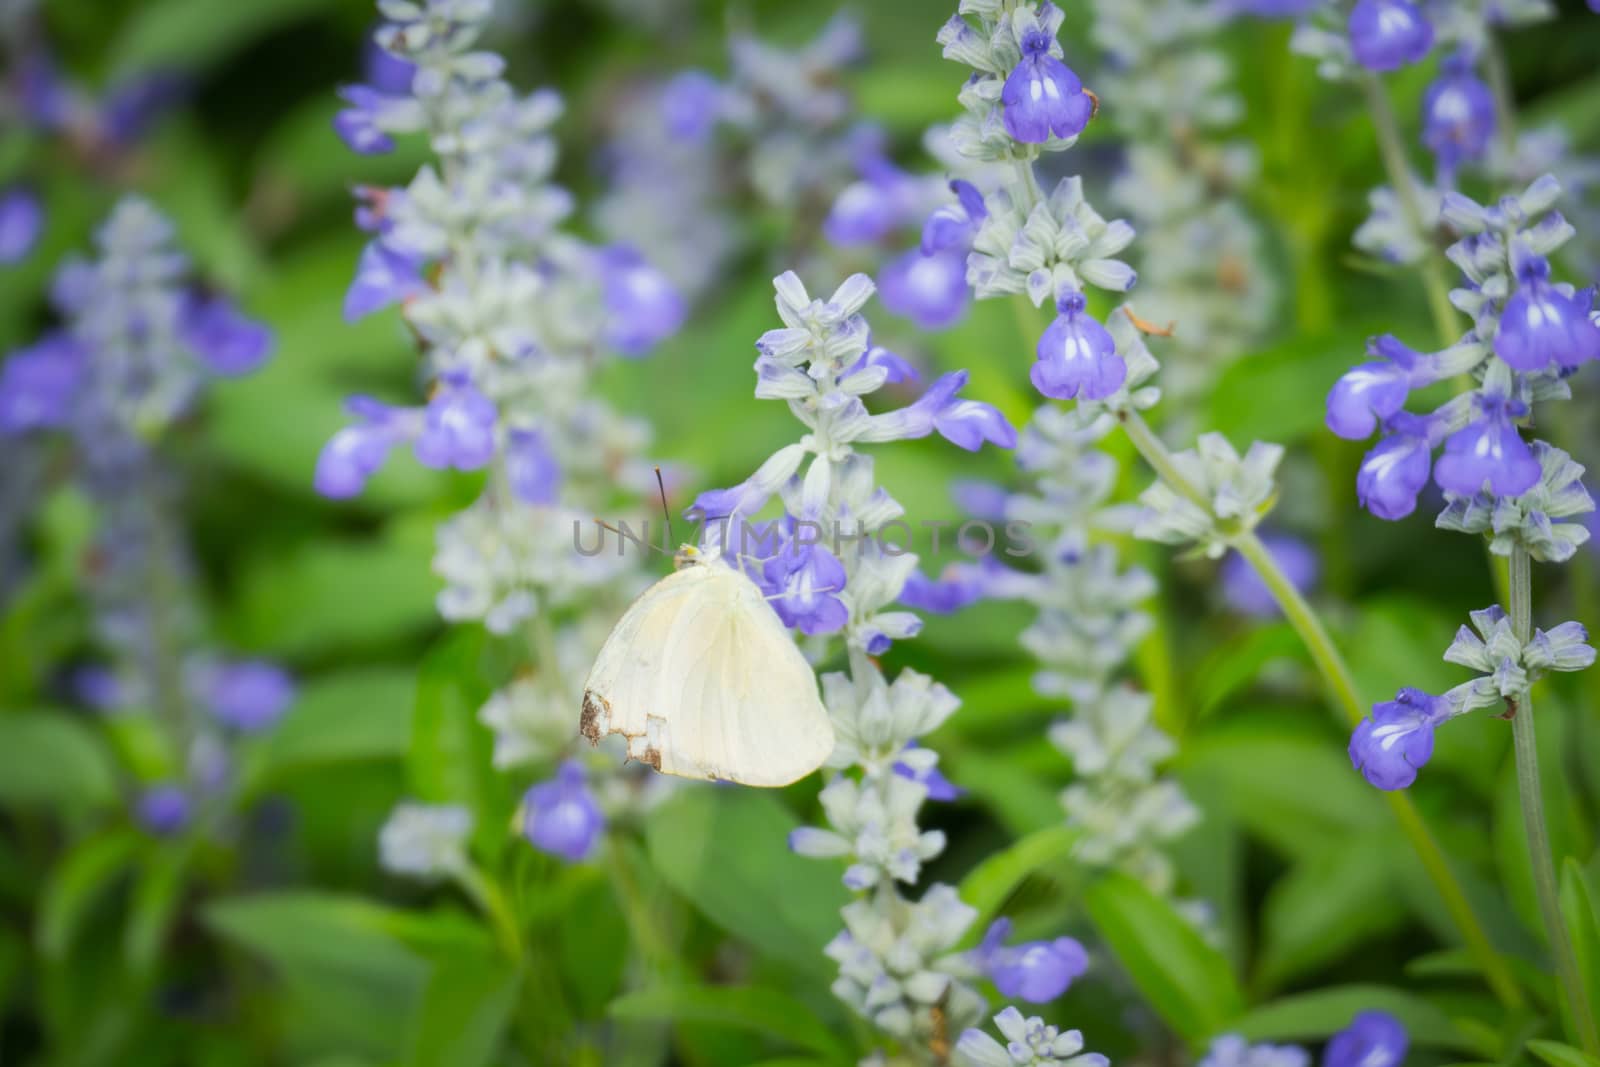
589	722
651	756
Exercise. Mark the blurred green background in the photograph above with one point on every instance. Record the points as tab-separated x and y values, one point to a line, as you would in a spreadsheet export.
290	946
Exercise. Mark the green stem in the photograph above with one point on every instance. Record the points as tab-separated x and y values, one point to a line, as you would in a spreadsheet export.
492	902
1347	698
1505	104
1532	795
1392	149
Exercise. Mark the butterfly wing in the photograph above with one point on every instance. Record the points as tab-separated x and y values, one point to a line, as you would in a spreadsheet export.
704	681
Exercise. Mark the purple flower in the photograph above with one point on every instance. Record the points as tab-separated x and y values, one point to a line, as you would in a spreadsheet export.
386	72
642	307
691	104
534	475
223	338
1371	392
1273	9
45	98
1389	34
897	368
1458	114
1396	469
357	125
383	277
21	223
959	585
136	103
458	427
163	809
938	786
804	582
355	453
561	816
1042	96
964	423
250	695
1392	745
1489	449
1540	323
930	290
1077	355
39	384
1243	588
955	225
1373	1039
1034	971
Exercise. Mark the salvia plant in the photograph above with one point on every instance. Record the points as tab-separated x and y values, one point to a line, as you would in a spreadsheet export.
511	316
138	344
312	534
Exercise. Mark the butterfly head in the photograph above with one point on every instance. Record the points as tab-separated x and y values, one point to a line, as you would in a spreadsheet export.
690	556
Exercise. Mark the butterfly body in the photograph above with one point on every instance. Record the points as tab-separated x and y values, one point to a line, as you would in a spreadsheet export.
704	681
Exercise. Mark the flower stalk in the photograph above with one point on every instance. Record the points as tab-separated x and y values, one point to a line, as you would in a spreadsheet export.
1530	792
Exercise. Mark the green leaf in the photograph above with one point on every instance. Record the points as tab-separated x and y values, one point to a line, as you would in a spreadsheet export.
993	881
1236	664
190	35
78	884
332	596
156	896
1284	776
1314	1016
1324	907
1580	905
764	1011
451	754
726	851
346	975
466	1007
358	714
1279	394
51	760
1186	981
1557	1054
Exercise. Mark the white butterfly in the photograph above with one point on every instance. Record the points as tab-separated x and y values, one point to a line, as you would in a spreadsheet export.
703	679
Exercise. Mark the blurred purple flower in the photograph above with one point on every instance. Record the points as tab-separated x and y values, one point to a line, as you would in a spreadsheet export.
932	779
955	225
21	223
929	289
1458	114
1035	971
39	384
163	809
531	469
386	72
642	307
691	104
1243	588
383	277
249	695
561	816
1373	1039
357	125
1386	35
223	338
1369	393
458	427
804	582
355	453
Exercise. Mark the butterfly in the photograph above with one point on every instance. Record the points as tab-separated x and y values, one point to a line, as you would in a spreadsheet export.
704	681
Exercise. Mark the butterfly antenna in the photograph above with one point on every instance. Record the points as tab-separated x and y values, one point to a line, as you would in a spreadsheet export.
666	512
